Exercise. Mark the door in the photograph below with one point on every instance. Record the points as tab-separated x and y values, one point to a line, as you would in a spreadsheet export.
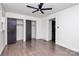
28	30
53	31
11	30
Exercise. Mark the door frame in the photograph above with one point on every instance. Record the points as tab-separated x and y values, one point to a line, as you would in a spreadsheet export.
50	28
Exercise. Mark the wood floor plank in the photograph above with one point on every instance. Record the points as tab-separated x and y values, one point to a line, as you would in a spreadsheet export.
37	48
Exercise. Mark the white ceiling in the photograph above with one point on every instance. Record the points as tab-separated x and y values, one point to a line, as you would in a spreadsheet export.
22	9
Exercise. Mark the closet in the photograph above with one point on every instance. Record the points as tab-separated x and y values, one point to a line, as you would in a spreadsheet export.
20	29
30	30
15	29
33	29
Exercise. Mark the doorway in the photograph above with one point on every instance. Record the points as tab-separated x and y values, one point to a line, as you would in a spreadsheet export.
52	29
11	30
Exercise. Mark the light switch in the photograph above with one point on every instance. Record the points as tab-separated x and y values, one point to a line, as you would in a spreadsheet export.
57	27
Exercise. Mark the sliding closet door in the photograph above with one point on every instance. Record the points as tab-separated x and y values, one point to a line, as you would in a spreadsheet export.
11	30
28	30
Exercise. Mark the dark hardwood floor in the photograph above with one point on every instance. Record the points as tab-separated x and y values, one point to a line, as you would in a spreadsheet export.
37	48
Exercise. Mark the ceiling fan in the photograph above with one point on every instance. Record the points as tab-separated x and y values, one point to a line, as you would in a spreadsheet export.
39	8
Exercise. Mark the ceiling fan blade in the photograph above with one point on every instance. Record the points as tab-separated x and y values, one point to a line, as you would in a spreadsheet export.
41	11
31	7
35	11
40	5
46	9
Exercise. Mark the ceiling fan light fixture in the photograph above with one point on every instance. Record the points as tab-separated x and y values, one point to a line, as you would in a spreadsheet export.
39	8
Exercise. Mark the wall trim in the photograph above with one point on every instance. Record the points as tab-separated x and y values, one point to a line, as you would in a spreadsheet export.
2	49
72	49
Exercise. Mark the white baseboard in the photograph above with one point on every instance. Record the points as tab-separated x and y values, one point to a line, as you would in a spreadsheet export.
2	49
73	49
43	39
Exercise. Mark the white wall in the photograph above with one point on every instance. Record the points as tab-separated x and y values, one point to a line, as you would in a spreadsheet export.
68	33
0	7
44	28
2	33
50	30
39	29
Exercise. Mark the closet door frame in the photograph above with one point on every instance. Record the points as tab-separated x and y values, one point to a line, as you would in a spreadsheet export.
16	33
